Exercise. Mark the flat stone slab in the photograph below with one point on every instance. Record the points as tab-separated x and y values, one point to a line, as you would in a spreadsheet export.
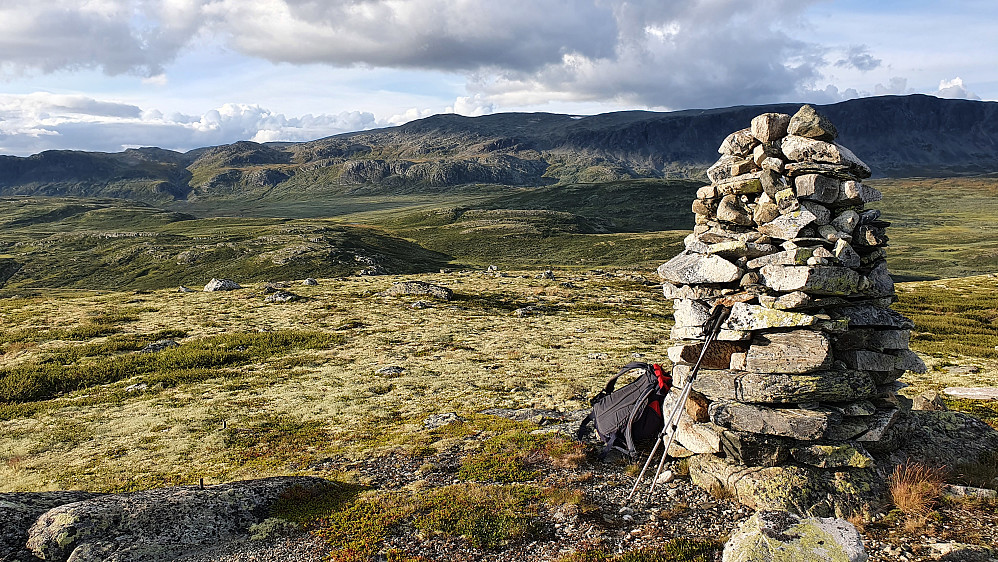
973	392
748	317
774	388
690	268
874	317
790	487
797	351
796	423
817	280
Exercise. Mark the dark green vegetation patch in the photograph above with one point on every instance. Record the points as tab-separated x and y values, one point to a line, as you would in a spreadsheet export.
75	367
955	317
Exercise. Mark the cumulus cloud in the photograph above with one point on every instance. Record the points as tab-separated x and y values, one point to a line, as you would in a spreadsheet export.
859	57
35	122
896	86
117	36
954	89
676	54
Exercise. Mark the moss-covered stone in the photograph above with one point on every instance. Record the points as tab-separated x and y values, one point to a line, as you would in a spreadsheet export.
777	536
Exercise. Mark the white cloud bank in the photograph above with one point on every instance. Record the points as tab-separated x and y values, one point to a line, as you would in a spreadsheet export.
41	121
36	122
510	54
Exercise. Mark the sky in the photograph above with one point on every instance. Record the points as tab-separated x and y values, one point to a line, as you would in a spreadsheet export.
109	75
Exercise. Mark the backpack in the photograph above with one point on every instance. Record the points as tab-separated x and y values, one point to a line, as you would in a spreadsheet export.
630	413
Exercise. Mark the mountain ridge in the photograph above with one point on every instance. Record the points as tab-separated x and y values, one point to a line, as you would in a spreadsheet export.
898	136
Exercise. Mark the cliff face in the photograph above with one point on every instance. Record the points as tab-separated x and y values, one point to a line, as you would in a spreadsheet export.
898	135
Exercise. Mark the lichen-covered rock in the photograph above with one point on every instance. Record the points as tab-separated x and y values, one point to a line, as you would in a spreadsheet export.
941	438
19	510
807	122
833	456
221	285
738	143
418	288
818	280
789	225
803	149
740	185
689	268
282	296
156	524
796	423
778	388
779	536
754	317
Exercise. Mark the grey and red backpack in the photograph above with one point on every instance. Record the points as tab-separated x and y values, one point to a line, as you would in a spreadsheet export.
631	413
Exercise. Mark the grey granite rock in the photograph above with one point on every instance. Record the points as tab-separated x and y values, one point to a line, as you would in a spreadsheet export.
807	122
738	143
779	388
802	149
418	288
768	127
817	187
789	225
221	285
688	268
796	423
156	524
779	536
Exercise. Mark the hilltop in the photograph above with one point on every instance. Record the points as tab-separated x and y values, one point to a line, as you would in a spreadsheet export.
898	136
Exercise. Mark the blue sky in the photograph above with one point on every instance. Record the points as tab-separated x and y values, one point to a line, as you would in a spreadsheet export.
112	74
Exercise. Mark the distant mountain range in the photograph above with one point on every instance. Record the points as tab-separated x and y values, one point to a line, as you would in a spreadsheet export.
898	136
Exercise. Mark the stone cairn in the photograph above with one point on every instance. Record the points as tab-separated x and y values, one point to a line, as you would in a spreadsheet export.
798	396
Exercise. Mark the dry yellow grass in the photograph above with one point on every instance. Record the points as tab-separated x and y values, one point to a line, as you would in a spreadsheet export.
915	488
464	355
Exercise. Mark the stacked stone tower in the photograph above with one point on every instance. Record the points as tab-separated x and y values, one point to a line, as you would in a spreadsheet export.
797	397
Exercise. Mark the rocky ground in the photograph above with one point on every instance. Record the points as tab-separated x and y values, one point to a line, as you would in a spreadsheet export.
606	521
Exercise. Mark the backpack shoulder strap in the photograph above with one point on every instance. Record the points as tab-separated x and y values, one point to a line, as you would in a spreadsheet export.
612	383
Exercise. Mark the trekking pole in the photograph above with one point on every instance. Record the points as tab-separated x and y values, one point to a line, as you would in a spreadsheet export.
712	326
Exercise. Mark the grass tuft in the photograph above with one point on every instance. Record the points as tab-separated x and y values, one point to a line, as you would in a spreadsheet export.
914	488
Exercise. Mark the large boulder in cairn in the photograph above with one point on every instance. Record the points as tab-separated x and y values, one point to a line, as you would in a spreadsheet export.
690	268
772	536
418	288
221	285
158	524
807	122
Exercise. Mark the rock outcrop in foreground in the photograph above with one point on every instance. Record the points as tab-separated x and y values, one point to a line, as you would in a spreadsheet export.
152	525
796	406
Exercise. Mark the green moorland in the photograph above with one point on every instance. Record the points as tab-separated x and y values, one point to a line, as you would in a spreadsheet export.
257	388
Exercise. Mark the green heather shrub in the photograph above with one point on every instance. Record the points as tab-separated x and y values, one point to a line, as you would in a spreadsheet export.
982	473
76	367
355	532
300	504
487	516
277	440
503	458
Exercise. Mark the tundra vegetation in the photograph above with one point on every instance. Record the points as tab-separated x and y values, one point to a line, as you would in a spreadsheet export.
256	388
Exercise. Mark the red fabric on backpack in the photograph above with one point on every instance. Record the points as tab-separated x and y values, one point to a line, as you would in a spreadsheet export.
656	406
664	380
